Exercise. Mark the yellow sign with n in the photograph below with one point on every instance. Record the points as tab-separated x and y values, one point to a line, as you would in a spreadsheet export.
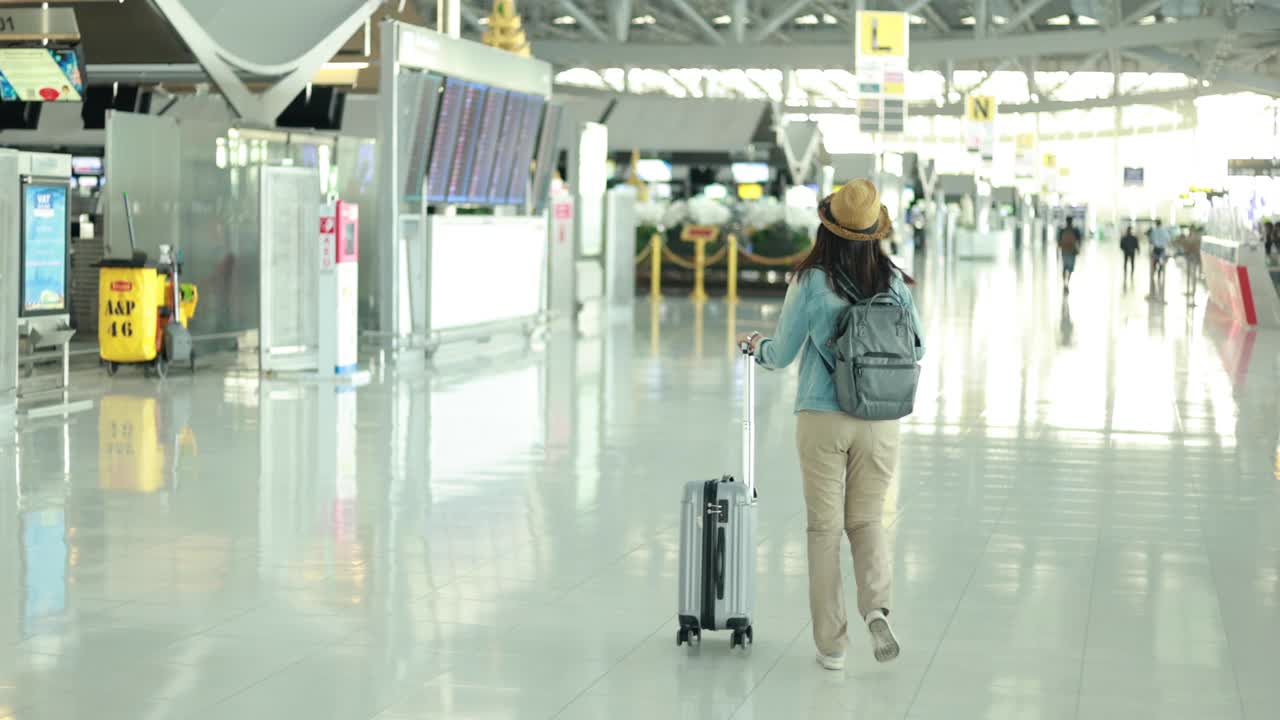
980	108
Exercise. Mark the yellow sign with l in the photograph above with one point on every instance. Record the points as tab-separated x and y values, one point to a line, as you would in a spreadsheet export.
882	34
980	108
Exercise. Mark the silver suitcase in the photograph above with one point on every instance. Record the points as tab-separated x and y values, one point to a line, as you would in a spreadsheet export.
718	544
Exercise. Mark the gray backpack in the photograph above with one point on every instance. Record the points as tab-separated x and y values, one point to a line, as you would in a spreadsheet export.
874	346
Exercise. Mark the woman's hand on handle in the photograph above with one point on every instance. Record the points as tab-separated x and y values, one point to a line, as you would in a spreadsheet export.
749	342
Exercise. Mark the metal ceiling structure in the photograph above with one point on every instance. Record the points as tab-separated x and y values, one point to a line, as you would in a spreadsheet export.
1220	45
798	53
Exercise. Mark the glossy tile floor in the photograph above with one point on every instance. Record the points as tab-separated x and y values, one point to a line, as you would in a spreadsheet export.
1087	526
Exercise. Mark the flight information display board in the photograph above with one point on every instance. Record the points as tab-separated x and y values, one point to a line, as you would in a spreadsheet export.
464	149
525	139
487	147
507	142
548	154
446	137
418	115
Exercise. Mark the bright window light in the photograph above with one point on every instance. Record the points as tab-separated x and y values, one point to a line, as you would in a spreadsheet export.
968	20
483	21
722	20
917	20
644	20
1148	20
999	19
807	20
564	20
1086	20
829	19
1059	20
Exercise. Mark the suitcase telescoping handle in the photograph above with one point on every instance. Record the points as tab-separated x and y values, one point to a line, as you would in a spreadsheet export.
749	420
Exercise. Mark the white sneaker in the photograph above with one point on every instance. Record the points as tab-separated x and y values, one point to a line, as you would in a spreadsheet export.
882	639
831	662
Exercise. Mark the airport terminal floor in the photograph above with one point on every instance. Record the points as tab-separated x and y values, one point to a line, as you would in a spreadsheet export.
1087	525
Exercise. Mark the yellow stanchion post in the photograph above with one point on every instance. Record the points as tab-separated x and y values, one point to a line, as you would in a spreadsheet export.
699	269
655	265
655	326
699	309
732	282
732	327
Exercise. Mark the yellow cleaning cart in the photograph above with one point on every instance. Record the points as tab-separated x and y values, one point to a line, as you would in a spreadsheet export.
136	301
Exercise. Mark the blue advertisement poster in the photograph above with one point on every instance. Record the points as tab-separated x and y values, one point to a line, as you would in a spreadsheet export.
40	75
44	249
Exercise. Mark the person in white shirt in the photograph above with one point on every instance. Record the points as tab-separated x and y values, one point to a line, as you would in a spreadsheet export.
1160	239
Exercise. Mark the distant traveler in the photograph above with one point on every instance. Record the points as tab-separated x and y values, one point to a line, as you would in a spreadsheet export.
1190	248
1270	236
1129	244
1160	239
848	464
1069	245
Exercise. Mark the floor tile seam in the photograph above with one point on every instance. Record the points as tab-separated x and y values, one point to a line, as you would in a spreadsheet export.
269	676
1088	619
756	685
956	610
586	690
1217	594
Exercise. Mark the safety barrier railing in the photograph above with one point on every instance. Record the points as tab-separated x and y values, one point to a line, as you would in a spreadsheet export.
657	250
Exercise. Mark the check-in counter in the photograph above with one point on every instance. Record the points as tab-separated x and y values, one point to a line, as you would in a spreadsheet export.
1239	281
486	271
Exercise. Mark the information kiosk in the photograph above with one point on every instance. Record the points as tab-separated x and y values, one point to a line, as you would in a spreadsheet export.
44	239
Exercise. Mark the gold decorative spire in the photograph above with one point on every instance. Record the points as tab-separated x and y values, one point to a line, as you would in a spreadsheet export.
505	30
633	178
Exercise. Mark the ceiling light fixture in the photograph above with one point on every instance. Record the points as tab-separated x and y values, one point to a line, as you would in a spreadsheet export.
564	20
644	20
722	20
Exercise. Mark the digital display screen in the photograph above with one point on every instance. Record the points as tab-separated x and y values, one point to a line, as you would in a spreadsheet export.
86	165
44	248
40	75
464	148
653	170
527	138
418	117
487	147
507	142
753	172
548	145
446	136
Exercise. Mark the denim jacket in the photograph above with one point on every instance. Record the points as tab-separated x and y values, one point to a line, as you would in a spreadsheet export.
808	320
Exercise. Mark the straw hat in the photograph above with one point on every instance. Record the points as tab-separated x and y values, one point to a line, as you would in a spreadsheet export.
854	212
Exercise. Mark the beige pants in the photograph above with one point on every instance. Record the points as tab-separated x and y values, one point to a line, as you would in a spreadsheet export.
848	465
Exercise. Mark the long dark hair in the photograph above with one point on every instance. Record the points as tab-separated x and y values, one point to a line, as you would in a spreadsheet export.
862	262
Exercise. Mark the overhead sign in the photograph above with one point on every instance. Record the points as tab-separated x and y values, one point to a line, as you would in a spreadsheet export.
1133	177
882	34
40	75
1252	167
980	108
881	55
23	25
1025	159
980	125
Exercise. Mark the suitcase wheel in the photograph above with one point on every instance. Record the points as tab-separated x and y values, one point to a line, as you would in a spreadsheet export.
688	635
741	638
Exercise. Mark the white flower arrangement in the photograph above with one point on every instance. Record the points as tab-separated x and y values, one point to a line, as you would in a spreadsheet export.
703	211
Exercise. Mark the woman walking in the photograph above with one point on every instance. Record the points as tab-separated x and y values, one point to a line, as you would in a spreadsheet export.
848	464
